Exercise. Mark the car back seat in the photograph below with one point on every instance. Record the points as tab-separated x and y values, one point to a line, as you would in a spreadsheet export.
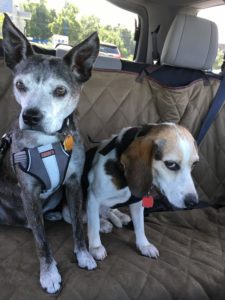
113	99
191	243
181	90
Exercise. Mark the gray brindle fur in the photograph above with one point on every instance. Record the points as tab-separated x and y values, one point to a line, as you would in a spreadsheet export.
47	89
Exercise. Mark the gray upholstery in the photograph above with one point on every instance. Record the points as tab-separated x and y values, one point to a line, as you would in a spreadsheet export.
61	50
110	63
102	62
191	42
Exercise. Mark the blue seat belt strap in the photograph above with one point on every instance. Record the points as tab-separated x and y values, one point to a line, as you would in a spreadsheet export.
213	110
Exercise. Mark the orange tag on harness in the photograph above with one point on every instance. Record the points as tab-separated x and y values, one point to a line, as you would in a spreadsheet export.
148	202
68	142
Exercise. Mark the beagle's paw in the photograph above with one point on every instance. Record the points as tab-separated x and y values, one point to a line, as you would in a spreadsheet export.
116	217
105	226
50	278
124	218
149	250
85	260
99	253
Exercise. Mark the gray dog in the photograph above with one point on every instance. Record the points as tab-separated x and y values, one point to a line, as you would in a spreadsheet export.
46	154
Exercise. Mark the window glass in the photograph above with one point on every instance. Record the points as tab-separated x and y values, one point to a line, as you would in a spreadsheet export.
52	22
216	14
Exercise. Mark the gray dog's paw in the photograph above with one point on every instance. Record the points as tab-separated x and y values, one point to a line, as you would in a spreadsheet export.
85	260
50	278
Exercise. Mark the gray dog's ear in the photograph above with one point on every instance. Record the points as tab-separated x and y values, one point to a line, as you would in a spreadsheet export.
81	57
16	46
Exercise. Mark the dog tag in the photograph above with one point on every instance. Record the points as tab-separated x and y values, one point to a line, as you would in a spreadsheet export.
68	142
148	202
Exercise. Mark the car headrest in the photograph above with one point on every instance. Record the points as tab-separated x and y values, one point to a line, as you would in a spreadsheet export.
191	42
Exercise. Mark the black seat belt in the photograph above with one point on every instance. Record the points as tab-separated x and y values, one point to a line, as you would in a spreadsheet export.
136	37
155	52
213	111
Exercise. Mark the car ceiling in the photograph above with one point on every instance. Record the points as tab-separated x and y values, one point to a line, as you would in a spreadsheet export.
197	4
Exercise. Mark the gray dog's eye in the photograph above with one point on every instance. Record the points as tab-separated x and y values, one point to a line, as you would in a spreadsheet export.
60	91
172	165
20	86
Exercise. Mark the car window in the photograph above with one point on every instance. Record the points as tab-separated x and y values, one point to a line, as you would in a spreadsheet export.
216	14
50	22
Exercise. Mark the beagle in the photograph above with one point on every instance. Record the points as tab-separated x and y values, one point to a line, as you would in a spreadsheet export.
133	164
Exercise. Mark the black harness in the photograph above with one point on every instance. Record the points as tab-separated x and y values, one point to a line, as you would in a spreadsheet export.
126	140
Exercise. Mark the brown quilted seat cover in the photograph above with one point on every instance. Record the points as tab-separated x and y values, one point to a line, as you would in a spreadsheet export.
113	100
190	266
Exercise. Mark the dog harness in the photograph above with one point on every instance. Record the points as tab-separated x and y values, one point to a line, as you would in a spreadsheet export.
47	163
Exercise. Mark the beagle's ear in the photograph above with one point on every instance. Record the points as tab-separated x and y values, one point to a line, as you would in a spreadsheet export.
16	46
137	163
82	57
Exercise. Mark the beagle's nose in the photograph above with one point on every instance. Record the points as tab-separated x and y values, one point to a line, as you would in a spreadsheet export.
32	116
190	200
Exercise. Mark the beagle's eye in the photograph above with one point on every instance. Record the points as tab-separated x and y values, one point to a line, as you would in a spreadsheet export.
194	164
21	86
60	91
172	165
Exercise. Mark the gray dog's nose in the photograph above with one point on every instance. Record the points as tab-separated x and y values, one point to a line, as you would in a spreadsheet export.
190	200
32	116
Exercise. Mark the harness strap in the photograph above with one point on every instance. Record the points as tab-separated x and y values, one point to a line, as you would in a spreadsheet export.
109	147
130	201
134	132
213	111
47	163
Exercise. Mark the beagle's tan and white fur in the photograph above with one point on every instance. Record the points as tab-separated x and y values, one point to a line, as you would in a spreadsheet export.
140	158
